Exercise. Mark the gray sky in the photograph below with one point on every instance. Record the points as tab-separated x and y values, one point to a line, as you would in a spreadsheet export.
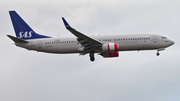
134	76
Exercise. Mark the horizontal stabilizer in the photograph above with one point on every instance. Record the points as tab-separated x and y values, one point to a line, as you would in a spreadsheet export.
17	40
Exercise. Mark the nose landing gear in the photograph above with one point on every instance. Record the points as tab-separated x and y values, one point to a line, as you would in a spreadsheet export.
159	50
157	53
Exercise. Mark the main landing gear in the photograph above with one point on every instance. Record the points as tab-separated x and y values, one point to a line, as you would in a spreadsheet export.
91	55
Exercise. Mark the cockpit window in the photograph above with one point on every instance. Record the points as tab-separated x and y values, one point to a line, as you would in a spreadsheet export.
163	37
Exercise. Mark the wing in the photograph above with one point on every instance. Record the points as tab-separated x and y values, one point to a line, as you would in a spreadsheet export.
87	42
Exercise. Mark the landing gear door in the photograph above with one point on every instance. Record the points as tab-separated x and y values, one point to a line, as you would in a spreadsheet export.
155	39
39	44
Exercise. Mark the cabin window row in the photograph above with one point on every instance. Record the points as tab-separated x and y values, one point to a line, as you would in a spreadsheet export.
61	42
132	39
99	40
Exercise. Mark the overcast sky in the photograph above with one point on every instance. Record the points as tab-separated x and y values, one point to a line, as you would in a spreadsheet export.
134	76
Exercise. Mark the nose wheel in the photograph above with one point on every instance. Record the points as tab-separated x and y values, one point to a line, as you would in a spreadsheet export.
161	49
91	55
157	53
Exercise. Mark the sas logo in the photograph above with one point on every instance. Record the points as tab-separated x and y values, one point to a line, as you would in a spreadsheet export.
25	34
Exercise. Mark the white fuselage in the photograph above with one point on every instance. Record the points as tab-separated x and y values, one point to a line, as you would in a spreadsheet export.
71	45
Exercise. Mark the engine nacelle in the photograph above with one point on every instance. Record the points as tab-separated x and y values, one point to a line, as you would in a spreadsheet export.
110	54
110	47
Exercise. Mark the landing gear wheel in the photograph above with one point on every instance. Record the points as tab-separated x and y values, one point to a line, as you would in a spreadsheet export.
157	53
91	55
92	59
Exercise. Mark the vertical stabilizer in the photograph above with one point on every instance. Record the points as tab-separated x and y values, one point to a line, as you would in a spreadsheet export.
22	29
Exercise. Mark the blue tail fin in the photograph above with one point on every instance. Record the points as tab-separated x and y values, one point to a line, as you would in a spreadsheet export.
22	29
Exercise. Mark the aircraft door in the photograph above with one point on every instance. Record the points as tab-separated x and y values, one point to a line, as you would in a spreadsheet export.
39	44
155	39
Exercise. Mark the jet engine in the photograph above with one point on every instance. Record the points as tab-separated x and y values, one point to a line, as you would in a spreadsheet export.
110	47
110	50
110	54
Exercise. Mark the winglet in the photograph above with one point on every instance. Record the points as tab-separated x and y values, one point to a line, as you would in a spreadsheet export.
66	24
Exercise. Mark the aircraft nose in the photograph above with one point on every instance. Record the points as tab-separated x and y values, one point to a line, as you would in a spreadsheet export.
171	42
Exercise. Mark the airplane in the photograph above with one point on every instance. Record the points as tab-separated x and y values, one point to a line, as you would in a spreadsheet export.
107	46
